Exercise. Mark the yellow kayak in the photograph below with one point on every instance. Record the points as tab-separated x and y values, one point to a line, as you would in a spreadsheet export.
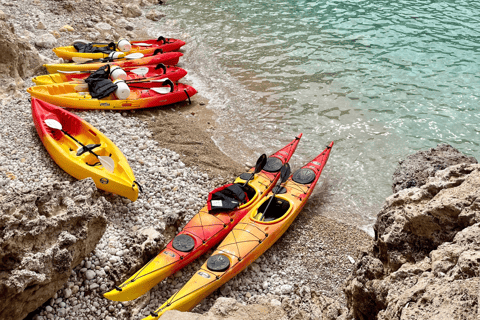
251	237
142	46
83	151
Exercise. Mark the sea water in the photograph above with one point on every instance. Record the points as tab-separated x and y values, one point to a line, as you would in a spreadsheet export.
382	79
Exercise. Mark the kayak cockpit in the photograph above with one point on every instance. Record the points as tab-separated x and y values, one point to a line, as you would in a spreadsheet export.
276	210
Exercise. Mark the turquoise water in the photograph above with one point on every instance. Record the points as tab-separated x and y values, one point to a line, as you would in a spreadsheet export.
382	79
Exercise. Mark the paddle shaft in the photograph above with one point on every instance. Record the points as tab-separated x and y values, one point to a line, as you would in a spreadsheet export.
86	148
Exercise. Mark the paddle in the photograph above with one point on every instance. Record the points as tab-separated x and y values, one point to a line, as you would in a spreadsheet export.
82	86
261	162
107	162
131	56
284	174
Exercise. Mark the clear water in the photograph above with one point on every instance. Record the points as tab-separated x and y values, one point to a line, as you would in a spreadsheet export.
382	79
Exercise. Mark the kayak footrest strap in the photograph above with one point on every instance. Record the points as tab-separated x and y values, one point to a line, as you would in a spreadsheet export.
189	101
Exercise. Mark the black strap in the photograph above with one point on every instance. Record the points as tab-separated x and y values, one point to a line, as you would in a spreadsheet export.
157	51
162	39
162	66
189	101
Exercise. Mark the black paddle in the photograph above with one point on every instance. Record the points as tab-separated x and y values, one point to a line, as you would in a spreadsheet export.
284	174
261	162
106	162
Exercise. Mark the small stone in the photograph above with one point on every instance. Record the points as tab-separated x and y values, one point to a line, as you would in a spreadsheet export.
48	309
90	274
66	28
275	303
265	285
67	293
178	274
41	26
102	27
56	34
94	286
286	289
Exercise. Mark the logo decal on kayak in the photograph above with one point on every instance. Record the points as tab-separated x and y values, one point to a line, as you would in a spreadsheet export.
104	104
203	274
168	253
104	181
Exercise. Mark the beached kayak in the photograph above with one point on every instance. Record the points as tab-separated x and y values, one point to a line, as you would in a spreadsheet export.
169	58
143	94
142	46
159	71
205	230
83	151
251	237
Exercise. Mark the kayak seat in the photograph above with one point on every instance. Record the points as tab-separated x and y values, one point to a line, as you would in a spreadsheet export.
276	210
249	191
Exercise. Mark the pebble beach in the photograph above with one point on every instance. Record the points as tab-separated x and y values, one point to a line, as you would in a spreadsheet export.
311	260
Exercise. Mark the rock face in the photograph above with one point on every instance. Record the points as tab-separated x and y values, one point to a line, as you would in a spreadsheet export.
44	233
425	260
19	58
417	168
228	308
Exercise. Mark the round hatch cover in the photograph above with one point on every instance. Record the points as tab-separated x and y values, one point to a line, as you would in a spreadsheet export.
245	176
273	164
304	176
183	243
218	263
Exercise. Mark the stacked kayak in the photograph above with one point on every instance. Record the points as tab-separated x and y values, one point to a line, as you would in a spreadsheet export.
131	60
142	94
254	234
159	71
83	151
206	228
142	46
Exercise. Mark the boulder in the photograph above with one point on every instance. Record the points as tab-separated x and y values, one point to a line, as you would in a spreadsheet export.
19	58
44	234
425	259
416	168
46	41
154	15
132	11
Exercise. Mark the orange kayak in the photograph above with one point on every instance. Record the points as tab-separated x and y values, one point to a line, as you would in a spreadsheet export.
204	230
252	236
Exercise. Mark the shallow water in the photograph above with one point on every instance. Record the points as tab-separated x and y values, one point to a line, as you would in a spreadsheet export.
381	79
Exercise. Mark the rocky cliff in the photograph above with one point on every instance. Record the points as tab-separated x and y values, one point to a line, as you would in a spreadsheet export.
44	233
425	260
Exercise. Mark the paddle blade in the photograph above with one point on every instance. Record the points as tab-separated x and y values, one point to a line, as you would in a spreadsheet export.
136	55
80	59
141	44
261	162
107	163
140	71
81	87
81	41
54	124
161	90
285	172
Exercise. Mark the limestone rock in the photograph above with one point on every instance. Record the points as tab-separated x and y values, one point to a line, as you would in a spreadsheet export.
425	260
44	234
414	171
46	41
154	15
227	308
41	26
132	11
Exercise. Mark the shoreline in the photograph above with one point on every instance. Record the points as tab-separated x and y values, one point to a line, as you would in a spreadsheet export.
173	129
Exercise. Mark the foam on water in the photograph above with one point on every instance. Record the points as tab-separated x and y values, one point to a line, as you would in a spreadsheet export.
381	79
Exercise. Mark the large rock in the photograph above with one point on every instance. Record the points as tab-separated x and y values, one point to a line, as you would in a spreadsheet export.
417	168
44	234
228	308
425	260
19	58
46	41
132	11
